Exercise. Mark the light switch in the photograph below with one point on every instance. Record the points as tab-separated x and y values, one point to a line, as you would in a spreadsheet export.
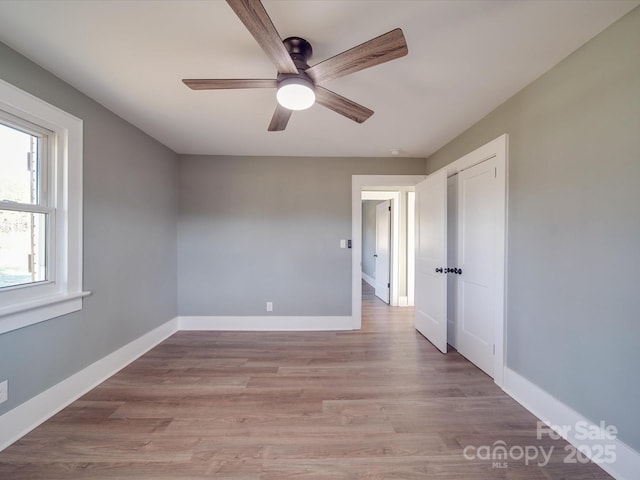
343	244
4	391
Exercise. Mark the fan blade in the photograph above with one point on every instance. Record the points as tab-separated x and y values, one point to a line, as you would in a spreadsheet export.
216	84
342	105
381	49
257	21
280	119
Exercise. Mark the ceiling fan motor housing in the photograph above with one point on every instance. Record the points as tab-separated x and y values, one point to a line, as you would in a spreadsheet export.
300	51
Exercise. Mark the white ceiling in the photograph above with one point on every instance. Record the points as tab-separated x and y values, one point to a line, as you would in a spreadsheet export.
465	58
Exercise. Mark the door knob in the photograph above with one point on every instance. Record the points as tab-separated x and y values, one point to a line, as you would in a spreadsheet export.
375	254
439	270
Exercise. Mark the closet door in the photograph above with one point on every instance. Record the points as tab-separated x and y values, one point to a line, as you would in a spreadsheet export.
431	259
476	258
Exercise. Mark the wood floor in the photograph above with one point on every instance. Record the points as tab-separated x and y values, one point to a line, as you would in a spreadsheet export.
380	403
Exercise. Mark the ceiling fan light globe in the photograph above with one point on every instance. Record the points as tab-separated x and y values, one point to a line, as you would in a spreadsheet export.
294	94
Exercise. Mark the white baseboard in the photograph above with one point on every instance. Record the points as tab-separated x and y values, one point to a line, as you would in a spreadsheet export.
553	412
403	301
370	280
25	417
265	323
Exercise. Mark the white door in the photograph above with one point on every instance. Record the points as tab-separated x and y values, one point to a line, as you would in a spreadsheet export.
476	258
431	259
383	250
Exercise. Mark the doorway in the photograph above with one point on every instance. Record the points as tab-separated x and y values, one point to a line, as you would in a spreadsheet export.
376	247
383	248
386	243
373	185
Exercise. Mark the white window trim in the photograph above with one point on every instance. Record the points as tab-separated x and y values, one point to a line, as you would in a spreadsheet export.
63	293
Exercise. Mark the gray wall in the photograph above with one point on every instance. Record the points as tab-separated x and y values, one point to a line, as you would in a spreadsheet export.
130	221
369	236
258	229
573	316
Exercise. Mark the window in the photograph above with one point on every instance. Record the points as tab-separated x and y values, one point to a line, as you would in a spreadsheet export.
40	210
25	215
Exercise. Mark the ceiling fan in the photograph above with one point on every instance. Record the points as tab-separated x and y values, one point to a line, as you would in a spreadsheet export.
298	84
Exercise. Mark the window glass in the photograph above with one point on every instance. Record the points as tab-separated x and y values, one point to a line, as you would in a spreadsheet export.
19	164
22	247
23	212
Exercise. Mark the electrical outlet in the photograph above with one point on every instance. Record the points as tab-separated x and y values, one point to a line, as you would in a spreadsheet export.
4	391
269	306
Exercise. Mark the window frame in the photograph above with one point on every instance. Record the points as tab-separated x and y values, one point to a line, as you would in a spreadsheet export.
61	293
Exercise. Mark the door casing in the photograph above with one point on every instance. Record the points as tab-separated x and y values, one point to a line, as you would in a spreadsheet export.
360	183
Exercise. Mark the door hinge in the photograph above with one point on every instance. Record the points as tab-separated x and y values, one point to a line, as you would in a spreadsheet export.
389	207
388	285
494	348
495	172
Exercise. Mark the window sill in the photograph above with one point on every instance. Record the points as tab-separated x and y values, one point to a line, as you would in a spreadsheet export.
24	314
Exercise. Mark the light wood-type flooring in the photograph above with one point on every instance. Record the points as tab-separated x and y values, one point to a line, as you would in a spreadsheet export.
380	403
